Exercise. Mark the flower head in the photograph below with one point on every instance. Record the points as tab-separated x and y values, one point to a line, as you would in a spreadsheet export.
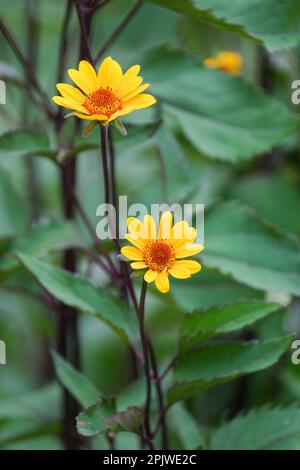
161	251
228	61
104	95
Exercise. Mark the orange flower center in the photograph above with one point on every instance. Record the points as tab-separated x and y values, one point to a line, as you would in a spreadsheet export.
103	101
159	255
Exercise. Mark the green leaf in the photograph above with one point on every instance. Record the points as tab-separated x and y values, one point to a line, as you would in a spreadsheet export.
129	420
223	116
186	427
221	362
247	17
272	196
74	381
94	419
240	243
101	418
201	325
55	235
210	288
25	141
78	292
174	169
263	429
13	210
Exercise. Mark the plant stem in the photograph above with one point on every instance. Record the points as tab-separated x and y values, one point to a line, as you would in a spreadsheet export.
119	29
146	363
69	342
103	137
160	398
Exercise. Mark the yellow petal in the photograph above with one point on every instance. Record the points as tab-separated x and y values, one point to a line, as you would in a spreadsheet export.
132	71
68	104
136	228
132	253
189	249
190	265
141	101
162	282
179	271
165	224
150	275
138	265
113	117
150	227
92	117
110	74
210	62
136	241
182	233
88	71
70	92
135	92
129	84
81	81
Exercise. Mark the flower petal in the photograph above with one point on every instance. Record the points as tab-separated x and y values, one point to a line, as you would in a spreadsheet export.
81	81
165	225
138	265
132	253
92	117
129	84
70	92
189	249
179	271
150	275
150	227
190	265
136	241
86	69
135	92
141	101
162	282
110	74
136	228
68	104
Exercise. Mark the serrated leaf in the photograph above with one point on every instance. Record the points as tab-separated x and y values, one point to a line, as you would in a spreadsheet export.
74	381
78	292
94	419
252	18
263	429
101	417
222	362
223	116
240	243
201	325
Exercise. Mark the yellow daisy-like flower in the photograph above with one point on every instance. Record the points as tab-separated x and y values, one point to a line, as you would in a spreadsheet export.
228	61
162	251
106	95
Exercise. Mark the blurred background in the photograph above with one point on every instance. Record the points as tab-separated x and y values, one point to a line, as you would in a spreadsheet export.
231	143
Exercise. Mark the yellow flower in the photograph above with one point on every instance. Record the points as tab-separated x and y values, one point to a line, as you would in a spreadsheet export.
161	252
106	95
228	61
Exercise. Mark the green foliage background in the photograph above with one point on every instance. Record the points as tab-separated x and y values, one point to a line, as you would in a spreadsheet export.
228	142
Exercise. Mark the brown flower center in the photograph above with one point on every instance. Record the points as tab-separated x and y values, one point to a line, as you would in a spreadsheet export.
159	255
103	101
